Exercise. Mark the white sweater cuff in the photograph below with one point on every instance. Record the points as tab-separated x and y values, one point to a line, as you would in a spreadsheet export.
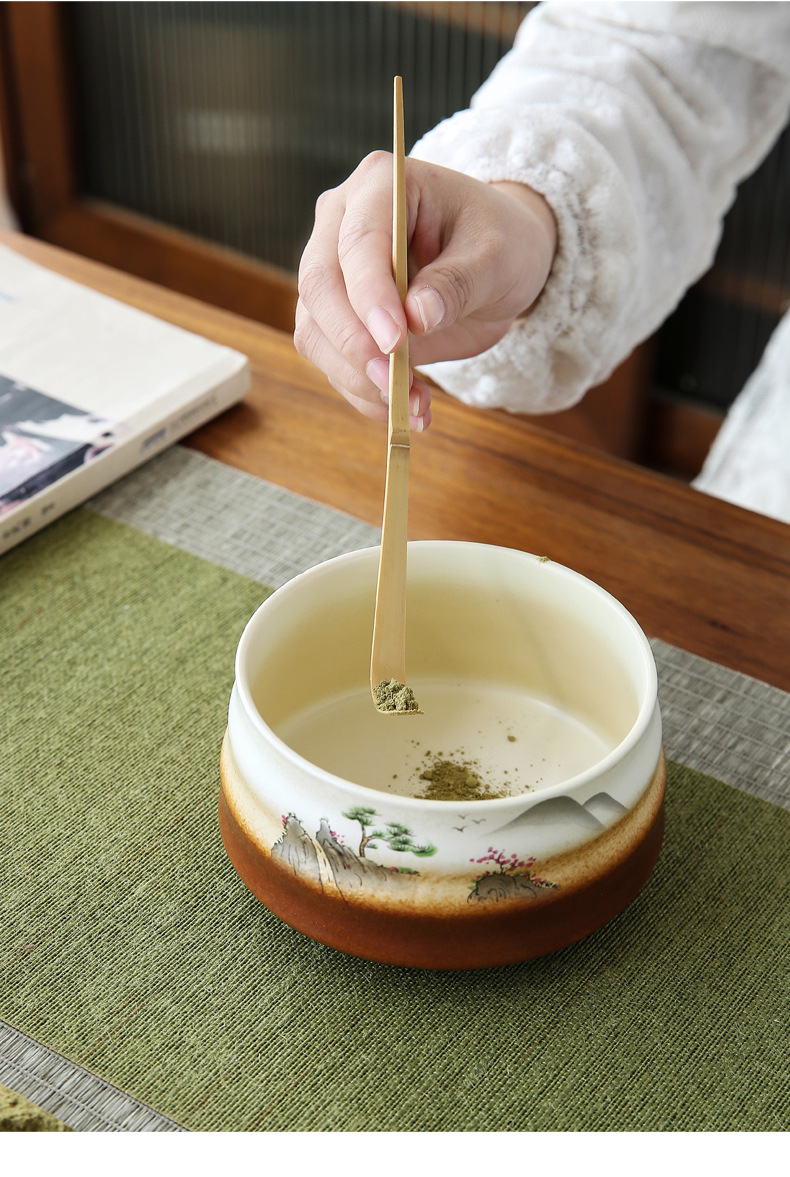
546	362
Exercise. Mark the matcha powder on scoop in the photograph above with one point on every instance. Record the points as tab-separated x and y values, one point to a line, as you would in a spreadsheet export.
395	696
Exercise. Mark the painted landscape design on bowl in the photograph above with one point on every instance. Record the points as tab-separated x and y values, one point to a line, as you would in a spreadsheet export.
535	681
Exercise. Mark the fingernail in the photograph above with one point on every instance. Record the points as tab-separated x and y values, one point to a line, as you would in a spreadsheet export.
414	404
431	307
378	371
384	329
417	424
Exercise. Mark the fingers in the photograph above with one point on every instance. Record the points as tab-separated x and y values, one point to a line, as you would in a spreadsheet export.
480	255
315	346
349	316
364	249
345	276
419	406
366	391
418	420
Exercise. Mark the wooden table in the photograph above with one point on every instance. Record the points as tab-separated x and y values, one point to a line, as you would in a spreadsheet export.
695	571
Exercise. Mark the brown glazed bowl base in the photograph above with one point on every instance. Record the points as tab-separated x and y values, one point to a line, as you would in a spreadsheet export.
598	880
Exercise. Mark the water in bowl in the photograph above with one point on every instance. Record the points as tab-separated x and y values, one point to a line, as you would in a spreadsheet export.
517	743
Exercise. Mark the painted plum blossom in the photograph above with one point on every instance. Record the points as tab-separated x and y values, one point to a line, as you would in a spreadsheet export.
506	876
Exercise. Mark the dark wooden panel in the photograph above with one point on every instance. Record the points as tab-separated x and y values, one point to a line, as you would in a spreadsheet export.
177	260
678	436
43	160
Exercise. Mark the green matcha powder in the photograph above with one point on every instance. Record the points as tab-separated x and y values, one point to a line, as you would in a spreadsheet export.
395	696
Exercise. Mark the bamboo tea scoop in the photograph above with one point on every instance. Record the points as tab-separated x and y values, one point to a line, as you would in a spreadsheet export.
388	656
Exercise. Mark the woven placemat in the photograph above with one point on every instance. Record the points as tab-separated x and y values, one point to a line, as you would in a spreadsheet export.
130	946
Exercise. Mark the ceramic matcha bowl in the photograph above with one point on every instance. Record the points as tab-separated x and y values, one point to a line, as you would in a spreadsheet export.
540	728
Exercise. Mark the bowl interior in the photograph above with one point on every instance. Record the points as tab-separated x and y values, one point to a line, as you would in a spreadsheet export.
526	672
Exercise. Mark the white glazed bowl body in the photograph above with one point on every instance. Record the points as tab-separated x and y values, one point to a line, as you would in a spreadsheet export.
476	614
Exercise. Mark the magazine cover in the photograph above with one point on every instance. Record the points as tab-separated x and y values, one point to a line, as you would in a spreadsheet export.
42	439
89	389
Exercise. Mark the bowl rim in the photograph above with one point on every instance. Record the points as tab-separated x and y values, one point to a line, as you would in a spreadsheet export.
647	708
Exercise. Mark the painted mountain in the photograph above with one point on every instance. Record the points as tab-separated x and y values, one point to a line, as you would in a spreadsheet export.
296	852
565	822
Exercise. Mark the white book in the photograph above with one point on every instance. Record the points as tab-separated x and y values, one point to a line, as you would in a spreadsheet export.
89	389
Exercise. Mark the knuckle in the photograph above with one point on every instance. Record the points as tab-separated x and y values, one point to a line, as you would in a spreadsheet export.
456	286
353	232
310	279
374	161
302	337
345	337
323	202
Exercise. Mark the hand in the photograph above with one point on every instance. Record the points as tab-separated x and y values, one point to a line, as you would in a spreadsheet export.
479	256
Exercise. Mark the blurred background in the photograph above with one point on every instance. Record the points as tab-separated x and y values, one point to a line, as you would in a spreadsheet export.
187	143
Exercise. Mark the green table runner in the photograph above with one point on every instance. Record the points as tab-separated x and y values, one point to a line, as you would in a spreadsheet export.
129	945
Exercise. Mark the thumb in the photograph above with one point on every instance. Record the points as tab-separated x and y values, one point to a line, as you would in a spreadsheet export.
440	294
486	251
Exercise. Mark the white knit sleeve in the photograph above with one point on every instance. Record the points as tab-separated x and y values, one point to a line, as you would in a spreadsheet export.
636	122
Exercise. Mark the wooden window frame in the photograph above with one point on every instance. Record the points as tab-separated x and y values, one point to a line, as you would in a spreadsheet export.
38	132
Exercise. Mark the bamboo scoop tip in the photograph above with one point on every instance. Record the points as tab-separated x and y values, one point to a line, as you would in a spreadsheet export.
394	698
